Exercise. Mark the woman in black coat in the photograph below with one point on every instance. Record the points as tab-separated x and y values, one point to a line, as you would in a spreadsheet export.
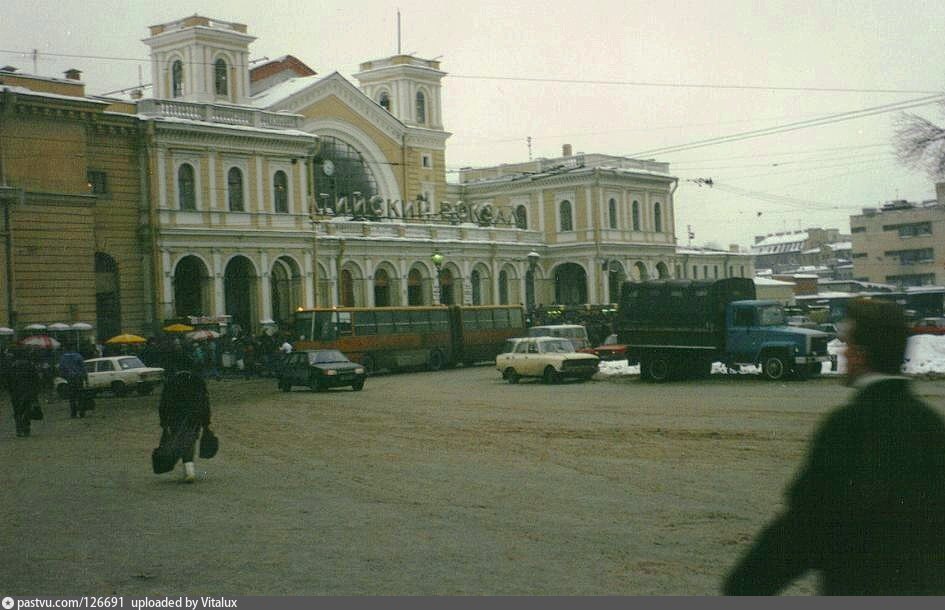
184	411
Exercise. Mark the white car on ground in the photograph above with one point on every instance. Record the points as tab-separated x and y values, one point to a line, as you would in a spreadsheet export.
550	358
120	374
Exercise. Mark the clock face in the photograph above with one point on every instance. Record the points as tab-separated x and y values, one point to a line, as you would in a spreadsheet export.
328	168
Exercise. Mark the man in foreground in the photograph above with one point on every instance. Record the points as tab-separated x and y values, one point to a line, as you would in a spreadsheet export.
867	510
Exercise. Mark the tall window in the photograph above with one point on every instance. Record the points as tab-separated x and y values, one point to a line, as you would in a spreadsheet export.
384	101
567	224
476	280
280	191
421	108
521	217
612	211
220	78
503	287
177	78
657	218
234	189
186	192
635	210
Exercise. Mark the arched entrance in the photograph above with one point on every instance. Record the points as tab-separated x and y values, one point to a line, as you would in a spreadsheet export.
616	276
662	271
191	282
107	296
285	289
570	284
239	289
447	287
642	274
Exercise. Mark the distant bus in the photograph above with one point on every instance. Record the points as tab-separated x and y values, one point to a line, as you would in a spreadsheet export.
399	337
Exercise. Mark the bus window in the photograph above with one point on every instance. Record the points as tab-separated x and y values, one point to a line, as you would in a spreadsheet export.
364	323
438	321
385	322
402	321
324	328
470	321
419	321
343	322
516	318
485	319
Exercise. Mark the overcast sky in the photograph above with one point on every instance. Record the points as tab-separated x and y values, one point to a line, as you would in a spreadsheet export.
751	65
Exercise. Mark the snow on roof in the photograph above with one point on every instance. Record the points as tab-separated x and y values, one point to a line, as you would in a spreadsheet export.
283	132
786	238
56	96
834	294
766	281
841	245
921	289
284	90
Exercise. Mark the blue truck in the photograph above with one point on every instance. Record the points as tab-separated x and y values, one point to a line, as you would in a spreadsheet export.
677	328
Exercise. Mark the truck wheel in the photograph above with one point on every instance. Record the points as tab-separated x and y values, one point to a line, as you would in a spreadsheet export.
550	375
436	360
658	368
773	367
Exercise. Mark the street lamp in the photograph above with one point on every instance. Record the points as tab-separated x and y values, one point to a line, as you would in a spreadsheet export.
437	259
313	218
530	279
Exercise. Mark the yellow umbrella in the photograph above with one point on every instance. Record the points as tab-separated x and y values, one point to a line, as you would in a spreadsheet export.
178	328
126	339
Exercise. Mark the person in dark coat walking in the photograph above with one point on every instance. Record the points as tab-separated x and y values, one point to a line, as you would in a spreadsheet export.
23	381
867	510
184	412
72	369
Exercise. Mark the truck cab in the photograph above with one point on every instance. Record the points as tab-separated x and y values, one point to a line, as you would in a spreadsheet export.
757	333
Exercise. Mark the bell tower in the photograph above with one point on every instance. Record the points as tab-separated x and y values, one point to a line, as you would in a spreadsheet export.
406	86
198	59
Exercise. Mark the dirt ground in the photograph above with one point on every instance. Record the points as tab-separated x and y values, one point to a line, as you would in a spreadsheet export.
422	484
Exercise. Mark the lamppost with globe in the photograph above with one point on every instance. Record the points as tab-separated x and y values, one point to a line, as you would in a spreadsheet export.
437	259
533	258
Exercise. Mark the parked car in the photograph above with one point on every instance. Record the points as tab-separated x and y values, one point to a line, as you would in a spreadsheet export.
320	369
576	333
549	358
610	349
120	374
929	326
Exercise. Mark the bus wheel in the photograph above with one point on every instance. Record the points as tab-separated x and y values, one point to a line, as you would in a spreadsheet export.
436	360
658	368
369	364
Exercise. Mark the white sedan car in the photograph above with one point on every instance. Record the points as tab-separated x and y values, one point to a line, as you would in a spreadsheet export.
120	374
550	358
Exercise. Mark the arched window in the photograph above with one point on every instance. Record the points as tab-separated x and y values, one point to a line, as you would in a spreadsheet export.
381	289
177	78
612	211
234	189
384	101
186	191
503	288
220	84
476	280
521	217
565	216
414	287
347	288
657	218
280	191
421	108
635	210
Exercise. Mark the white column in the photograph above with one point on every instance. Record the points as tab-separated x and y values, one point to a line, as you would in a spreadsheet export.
334	272
369	283
260	187
593	277
309	277
495	282
168	281
402	269
162	178
219	301
212	180
266	287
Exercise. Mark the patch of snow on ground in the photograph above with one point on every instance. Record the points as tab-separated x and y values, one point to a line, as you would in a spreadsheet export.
925	354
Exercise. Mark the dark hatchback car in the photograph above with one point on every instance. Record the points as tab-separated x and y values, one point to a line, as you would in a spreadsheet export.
320	369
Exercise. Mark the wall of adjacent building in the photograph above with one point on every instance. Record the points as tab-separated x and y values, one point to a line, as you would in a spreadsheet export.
877	237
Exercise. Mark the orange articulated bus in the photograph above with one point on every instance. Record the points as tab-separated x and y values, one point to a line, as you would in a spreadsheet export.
392	338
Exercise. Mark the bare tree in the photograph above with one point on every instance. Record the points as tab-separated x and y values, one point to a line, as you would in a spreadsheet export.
921	144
